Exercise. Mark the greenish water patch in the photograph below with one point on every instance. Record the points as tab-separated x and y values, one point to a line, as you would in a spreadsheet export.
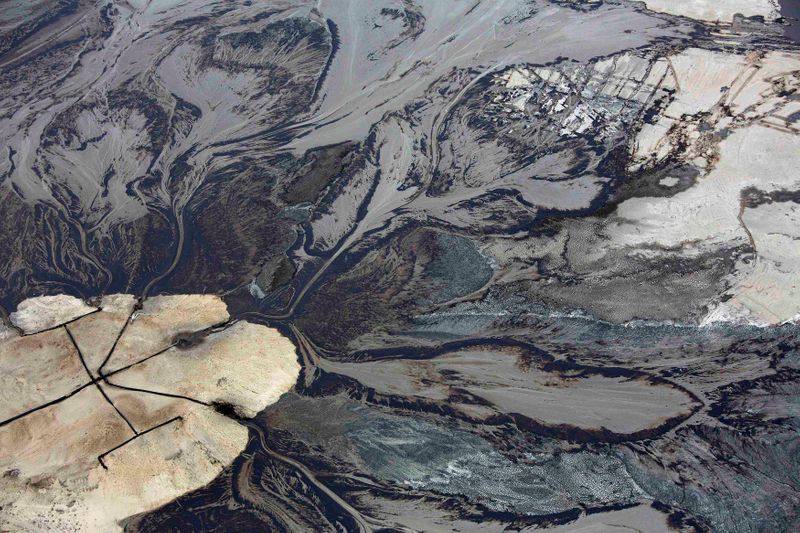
458	269
426	456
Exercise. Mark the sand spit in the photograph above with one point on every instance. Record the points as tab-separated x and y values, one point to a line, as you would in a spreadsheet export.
83	447
639	518
577	402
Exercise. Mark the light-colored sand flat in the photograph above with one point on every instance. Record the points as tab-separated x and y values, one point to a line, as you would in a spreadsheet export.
594	402
94	334
230	367
716	10
707	215
767	290
61	440
171	460
642	518
699	76
69	490
44	312
83	464
7	332
37	369
730	118
162	319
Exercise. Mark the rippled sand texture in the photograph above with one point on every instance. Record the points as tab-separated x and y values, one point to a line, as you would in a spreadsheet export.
91	433
538	261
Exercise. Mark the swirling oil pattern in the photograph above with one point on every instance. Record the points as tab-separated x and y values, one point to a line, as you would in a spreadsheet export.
537	261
